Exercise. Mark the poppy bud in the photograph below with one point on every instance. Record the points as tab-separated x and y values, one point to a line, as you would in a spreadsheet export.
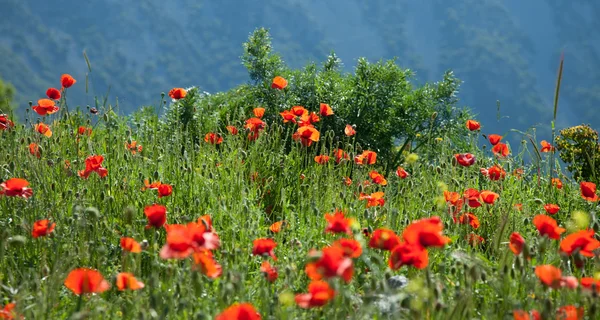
50	163
518	263
105	117
52	186
474	273
144	244
93	111
538	201
439	306
483	276
92	212
128	214
17	241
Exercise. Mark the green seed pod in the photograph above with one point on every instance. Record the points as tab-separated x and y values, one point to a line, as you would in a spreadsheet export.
17	241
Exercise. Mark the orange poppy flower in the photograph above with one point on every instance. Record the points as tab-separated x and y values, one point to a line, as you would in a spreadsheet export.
494	139
264	246
465	159
489	197
156	214
377	178
475	239
524	315
557	183
452	197
5	123
495	172
130	245
340	155
84	131
374	199
42	228
367	157
471	219
549	275
233	130
551	209
347	181
213	138
401	173
349	130
473	125
269	271
151	186
165	190
288	116
126	281
307	135
133	147
7	312
16	187
384	239
34	150
518	206
588	282
45	107
501	150
177	93
42	128
546	146
53	93
408	254
472	196
570	313
276	227
255	125
258	112
299	111
66	80
516	243
351	247
426	233
244	311
202	235
179	242
332	262
338	223
84	280
325	110
319	294
547	226
322	159
308	119
582	241
205	263
93	164
588	191
279	83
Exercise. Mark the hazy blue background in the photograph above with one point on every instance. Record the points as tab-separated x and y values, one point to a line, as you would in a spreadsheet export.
505	50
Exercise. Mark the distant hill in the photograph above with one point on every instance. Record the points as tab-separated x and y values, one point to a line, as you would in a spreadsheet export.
502	50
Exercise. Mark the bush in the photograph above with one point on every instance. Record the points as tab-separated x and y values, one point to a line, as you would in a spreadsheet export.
580	150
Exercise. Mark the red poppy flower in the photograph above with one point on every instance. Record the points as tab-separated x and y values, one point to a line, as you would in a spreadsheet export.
66	80
524	315
93	164
340	155
546	146
126	281
349	130
549	275
179	242
308	119
279	83
16	187
202	235
233	130
332	262
570	313
367	157
84	280
288	116
377	178
547	226
133	147
42	228
165	190
426	233
177	93
582	241
255	125
156	214
84	131
351	247
475	239
471	219
551	209
408	254
373	199
45	107
151	186
299	111
213	138
5	123
244	311
495	172
7	312
401	173
557	183
325	110
322	159
472	196
465	159
347	181
264	246
319	294
518	206
258	112
42	128
384	239
588	282
501	150
588	191
34	150
130	245
269	271
205	263
473	125
307	135
494	139
489	197
338	223
516	243
53	93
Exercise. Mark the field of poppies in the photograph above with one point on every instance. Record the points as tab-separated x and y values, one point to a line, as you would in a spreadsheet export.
106	217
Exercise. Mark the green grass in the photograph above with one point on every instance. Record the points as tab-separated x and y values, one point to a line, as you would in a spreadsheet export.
461	281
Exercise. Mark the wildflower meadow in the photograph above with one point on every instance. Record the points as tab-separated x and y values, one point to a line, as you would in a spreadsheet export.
305	194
